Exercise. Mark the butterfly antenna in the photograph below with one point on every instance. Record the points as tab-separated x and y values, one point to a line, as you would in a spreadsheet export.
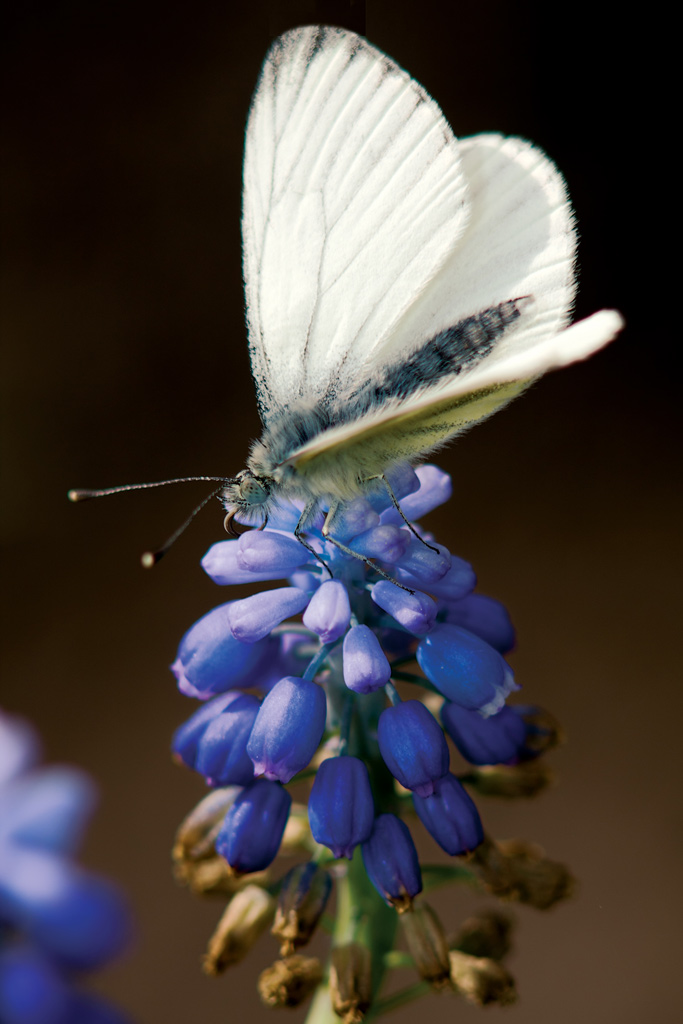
79	494
150	558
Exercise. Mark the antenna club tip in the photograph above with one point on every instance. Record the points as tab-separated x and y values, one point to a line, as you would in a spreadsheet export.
75	495
148	560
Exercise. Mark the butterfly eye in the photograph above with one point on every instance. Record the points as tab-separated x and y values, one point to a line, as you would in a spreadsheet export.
253	491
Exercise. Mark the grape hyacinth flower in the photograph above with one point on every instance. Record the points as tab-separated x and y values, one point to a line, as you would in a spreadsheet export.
57	920
314	686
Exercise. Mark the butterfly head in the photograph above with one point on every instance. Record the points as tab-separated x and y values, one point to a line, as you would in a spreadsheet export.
247	496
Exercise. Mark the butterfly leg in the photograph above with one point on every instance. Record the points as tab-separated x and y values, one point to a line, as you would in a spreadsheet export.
304	519
394	501
329	520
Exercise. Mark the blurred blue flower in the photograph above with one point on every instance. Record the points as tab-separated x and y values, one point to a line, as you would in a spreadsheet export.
55	917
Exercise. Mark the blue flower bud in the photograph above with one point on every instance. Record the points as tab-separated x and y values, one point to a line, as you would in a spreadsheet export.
388	543
340	808
365	664
415	612
329	611
253	828
222	562
391	862
210	659
288	728
450	816
486	618
435	489
423	564
252	618
465	669
458	581
47	809
498	739
214	740
413	746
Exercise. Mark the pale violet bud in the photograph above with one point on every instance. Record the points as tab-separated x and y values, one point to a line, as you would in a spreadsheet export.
465	669
352	518
340	808
221	562
365	664
388	543
425	565
435	489
329	611
415	612
252	618
403	481
261	551
457	582
413	746
288	728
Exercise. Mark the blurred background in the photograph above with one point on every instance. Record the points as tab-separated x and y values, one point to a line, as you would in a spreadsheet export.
125	360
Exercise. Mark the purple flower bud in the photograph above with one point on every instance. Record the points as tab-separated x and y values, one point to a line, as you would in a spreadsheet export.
329	612
450	816
413	746
388	543
423	564
340	808
223	564
458	581
435	489
391	862
210	659
352	518
465	669
365	664
253	828
415	612
252	618
498	739
214	740
288	728
486	618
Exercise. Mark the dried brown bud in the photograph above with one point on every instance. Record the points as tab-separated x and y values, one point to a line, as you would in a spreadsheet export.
485	934
427	944
351	982
246	916
510	780
288	982
303	896
481	981
517	870
297	837
545	732
196	835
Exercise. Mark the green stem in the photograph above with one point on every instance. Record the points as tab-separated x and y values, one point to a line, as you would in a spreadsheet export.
393	1002
362	916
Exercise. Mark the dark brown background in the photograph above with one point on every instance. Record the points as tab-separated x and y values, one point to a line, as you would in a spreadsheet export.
126	360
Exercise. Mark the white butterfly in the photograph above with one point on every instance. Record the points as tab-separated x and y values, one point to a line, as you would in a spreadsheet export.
400	284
